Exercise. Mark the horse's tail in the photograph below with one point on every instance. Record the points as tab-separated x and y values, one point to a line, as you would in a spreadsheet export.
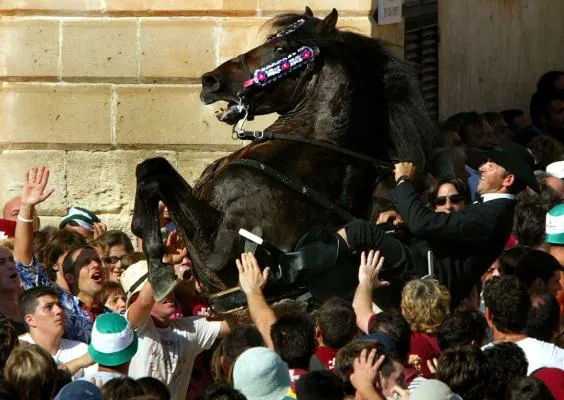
412	130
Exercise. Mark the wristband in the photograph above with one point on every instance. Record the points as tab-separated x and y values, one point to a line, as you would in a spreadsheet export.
401	179
24	220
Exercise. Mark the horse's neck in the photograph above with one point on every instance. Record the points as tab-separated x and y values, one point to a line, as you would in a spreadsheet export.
324	109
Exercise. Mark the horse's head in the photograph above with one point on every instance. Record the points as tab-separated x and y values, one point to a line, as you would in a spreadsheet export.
269	78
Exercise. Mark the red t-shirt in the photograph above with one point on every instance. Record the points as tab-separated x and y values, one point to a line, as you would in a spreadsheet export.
426	347
327	356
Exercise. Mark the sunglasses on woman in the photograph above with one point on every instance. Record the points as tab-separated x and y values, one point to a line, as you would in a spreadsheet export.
111	259
454	199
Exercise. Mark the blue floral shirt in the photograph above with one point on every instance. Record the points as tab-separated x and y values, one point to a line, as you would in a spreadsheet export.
78	323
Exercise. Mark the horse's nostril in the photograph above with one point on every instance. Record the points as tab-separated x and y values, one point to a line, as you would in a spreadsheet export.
210	83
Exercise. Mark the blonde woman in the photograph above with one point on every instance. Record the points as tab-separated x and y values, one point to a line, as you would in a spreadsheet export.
424	304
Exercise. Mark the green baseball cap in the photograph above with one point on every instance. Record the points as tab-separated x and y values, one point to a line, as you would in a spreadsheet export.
555	225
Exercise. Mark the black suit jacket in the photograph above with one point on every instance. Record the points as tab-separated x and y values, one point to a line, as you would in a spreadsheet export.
464	243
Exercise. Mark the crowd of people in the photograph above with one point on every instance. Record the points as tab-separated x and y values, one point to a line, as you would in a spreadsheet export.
480	313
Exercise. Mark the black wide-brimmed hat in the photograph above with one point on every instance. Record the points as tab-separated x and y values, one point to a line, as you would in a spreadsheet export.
518	161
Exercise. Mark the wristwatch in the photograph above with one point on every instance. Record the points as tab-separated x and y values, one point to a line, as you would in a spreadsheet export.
402	179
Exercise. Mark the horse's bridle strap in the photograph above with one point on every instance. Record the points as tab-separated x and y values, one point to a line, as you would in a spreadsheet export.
250	135
296	185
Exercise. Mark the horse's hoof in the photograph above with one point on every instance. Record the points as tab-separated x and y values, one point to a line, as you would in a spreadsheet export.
163	281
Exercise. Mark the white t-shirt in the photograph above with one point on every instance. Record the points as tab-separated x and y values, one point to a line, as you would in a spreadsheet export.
539	354
68	351
168	354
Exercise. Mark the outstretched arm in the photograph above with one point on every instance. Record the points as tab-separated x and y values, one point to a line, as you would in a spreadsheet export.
367	281
140	310
35	181
252	280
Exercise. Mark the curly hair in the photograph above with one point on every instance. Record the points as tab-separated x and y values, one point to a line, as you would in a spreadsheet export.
544	317
8	341
506	361
462	327
509	301
293	337
528	388
464	369
425	303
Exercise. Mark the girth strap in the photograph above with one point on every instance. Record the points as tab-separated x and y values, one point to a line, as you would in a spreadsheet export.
296	185
250	135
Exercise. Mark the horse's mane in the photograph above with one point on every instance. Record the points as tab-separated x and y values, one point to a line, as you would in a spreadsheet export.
388	87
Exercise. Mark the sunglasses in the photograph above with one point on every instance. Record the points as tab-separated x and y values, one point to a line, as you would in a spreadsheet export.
454	199
111	259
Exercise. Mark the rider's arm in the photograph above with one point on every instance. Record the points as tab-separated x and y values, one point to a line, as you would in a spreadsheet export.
469	224
140	310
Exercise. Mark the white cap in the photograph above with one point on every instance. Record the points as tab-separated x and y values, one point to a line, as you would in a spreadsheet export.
556	169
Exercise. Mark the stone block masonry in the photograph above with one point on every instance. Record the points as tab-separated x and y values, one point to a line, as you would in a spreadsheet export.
90	88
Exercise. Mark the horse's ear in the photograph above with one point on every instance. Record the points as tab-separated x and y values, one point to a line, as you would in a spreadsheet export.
308	12
330	21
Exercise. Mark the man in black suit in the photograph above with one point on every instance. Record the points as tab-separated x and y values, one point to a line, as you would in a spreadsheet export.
464	243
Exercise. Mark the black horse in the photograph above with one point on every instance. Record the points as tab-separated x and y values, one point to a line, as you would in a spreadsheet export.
336	87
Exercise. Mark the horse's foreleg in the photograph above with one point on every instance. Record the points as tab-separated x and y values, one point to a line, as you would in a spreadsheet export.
146	224
158	180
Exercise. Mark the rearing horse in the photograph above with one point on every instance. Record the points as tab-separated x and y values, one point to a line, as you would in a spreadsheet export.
334	87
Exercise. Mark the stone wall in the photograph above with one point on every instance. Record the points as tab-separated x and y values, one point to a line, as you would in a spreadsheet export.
92	87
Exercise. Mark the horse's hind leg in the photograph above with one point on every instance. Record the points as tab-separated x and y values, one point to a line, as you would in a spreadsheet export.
158	180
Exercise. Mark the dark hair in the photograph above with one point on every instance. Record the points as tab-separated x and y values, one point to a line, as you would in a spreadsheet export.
293	338
109	288
221	392
320	385
464	120
462	327
544	317
546	150
464	369
492	116
509	301
546	81
8	341
154	387
528	388
337	322
238	340
510	258
394	325
537	264
58	244
41	239
344	361
30	297
114	238
241	338
529	221
509	116
122	388
540	104
7	391
505	361
460	186
63	378
131	258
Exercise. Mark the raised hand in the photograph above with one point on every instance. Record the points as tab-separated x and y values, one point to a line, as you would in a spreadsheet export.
370	268
35	181
251	279
365	371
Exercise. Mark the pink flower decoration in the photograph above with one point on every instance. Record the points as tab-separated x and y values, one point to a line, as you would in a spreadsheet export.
261	76
285	65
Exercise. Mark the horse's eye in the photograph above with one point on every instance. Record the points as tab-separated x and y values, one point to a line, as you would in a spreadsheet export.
280	50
